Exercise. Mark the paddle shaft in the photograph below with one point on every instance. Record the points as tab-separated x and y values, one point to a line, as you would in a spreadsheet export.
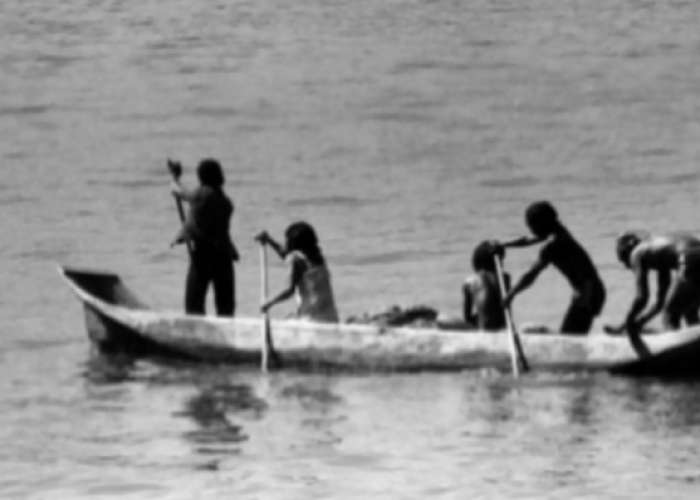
265	340
516	351
181	213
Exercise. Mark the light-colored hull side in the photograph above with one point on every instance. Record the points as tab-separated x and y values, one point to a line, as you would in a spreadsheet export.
355	347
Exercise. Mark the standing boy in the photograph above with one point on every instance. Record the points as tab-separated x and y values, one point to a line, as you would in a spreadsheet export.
565	253
206	231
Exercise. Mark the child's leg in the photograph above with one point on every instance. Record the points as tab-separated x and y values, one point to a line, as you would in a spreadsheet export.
578	319
196	288
225	288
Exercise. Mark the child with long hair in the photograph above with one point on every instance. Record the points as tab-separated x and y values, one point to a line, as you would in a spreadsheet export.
309	277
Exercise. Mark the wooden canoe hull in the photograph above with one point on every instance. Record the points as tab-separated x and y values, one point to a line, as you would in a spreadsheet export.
117	321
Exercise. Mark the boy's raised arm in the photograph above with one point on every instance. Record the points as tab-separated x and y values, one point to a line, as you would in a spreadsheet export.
524	241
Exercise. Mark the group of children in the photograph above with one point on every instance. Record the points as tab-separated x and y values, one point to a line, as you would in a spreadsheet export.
675	258
212	253
560	249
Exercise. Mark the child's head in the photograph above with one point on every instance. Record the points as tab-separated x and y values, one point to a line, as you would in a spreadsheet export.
210	173
541	218
625	245
484	254
301	237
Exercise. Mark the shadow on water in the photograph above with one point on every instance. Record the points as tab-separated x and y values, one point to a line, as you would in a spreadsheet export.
216	399
671	405
587	402
102	370
315	398
318	406
213	410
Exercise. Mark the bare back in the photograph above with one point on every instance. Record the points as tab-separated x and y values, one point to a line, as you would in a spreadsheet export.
569	257
663	253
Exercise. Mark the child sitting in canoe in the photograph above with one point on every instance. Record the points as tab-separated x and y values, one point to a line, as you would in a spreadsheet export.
481	292
309	278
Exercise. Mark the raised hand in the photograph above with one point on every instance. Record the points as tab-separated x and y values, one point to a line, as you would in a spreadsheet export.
175	168
497	248
263	238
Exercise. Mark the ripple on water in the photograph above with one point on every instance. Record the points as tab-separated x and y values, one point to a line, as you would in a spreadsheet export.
511	182
562	96
399	116
10	199
341	201
28	110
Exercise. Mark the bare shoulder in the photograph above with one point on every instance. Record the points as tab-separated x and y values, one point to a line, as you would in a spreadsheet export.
645	252
684	237
473	282
297	265
654	246
295	259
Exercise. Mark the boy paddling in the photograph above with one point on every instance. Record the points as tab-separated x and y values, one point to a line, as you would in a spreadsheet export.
566	254
677	296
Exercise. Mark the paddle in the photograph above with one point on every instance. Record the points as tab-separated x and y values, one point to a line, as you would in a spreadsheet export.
517	356
176	171
267	348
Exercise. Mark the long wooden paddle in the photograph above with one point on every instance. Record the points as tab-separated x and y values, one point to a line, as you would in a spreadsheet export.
517	357
266	348
176	171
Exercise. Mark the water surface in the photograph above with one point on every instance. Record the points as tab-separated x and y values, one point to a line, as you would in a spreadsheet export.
406	131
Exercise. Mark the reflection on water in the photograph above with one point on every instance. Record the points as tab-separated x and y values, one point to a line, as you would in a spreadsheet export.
106	370
566	435
662	405
212	409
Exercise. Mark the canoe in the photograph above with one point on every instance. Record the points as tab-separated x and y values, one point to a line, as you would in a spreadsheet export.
118	321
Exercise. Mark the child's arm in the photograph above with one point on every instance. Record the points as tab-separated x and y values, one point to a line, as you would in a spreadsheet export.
664	283
295	273
526	280
522	242
467	305
178	190
266	239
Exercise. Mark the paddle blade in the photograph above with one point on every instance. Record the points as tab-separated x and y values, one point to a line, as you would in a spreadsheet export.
265	358
270	357
524	366
175	168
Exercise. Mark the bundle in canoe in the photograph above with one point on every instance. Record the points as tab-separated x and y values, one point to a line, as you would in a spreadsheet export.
117	321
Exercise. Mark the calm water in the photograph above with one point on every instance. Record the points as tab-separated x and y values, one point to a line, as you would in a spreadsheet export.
406	131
